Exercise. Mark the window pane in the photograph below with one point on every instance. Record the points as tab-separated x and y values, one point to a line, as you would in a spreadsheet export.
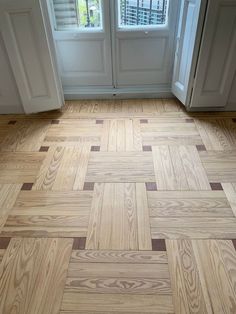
77	14
143	12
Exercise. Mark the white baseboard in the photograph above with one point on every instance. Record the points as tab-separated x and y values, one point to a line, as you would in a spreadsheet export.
162	91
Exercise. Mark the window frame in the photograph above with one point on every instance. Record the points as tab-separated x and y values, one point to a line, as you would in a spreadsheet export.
141	27
78	29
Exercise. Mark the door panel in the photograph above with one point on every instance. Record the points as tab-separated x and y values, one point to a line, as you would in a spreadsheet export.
9	95
190	23
217	65
27	45
115	57
84	54
144	53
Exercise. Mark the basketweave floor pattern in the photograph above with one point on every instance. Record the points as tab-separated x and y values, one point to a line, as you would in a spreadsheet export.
124	206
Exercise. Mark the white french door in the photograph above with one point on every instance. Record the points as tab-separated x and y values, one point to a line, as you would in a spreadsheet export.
144	36
129	44
217	63
29	49
187	48
83	42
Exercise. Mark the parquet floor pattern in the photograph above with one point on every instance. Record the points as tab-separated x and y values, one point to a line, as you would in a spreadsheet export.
125	206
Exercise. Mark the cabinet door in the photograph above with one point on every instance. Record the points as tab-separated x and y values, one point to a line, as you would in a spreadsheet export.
27	43
217	58
188	40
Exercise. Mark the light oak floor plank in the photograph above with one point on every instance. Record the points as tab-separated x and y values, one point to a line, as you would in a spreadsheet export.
220	166
120	167
25	135
110	276
49	213
20	167
8	196
218	135
119	218
179	168
187	289
216	262
32	275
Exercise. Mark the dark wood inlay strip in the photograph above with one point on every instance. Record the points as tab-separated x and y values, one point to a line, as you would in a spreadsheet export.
4	242
151	186
147	148
88	186
158	245
27	186
79	243
216	186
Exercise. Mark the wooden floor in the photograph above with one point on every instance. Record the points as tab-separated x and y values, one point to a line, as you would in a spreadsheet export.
118	207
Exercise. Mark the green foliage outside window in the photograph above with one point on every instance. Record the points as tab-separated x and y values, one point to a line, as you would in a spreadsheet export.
89	13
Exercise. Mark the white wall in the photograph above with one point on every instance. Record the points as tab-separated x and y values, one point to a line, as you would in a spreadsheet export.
10	101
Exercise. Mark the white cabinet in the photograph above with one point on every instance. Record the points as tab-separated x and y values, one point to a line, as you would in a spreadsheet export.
27	43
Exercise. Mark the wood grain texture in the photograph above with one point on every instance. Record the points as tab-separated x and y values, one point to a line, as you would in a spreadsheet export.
144	236
110	276
2	252
120	167
32	275
8	196
50	213
20	167
119	218
74	131
122	303
189	204
64	168
187	289
193	228
179	168
25	136
217	135
230	191
125	257
220	166
91	197
124	285
118	270
164	131
216	264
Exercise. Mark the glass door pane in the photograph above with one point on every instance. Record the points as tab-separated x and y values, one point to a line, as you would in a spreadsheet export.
143	12
80	14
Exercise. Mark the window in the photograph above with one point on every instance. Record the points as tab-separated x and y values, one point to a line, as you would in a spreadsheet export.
143	12
82	14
